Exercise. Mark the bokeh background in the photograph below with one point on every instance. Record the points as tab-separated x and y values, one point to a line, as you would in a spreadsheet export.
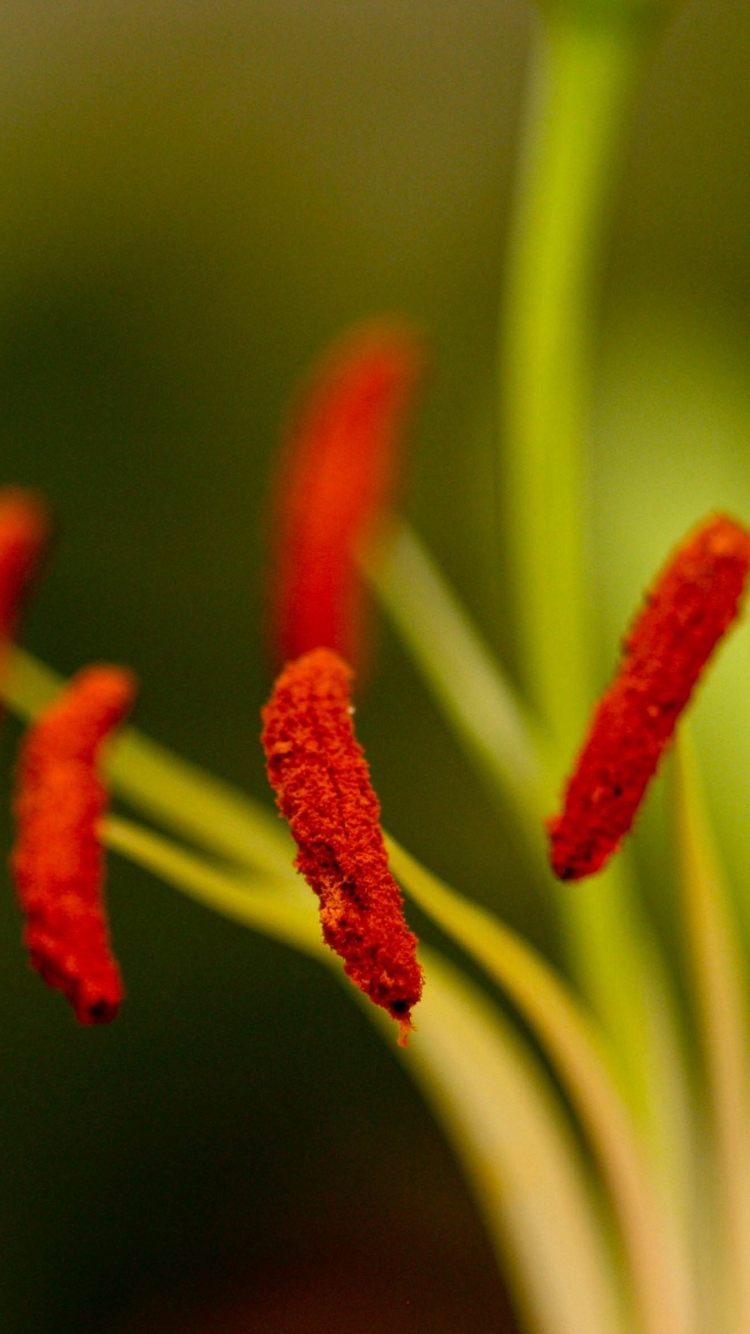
196	196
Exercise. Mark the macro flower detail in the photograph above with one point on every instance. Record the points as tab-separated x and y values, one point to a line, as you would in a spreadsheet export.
337	476
585	1052
57	861
318	771
690	607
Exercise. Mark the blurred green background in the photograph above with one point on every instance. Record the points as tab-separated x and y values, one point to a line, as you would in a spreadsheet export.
195	198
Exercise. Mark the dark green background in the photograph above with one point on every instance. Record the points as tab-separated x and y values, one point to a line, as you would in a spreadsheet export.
195	198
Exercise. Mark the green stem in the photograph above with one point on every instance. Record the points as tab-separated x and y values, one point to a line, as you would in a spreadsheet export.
528	1171
581	90
546	1223
286	914
721	1006
182	796
463	676
581	1056
580	93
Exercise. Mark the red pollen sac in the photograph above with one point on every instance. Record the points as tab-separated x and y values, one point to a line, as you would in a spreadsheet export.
57	862
337	475
690	607
322	783
24	529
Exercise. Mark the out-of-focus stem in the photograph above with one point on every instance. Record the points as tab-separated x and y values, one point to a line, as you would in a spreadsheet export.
582	84
721	1008
580	91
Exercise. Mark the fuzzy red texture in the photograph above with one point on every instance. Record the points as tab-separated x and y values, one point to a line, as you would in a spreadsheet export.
691	605
322	783
58	861
337	474
24	530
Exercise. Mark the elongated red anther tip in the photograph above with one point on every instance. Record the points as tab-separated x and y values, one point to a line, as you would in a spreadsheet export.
338	470
690	607
322	783
58	862
24	533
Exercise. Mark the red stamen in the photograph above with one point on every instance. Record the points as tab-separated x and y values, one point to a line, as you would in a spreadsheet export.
57	861
24	529
322	783
337	476
695	599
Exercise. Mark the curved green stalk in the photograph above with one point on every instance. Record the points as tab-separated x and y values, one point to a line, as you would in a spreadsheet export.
524	1164
659	1271
510	1133
286	914
721	1006
184	797
460	670
581	91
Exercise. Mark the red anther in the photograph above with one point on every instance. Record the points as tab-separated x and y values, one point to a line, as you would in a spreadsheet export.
337	475
693	602
322	783
58	862
24	530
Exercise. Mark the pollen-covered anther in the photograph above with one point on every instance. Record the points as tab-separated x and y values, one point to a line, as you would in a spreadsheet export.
337	473
690	607
322	783
58	861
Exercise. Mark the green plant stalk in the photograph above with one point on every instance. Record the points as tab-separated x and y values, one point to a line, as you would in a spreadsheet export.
721	1006
579	1289
466	682
210	813
526	1167
528	1172
286	915
581	90
661	1278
